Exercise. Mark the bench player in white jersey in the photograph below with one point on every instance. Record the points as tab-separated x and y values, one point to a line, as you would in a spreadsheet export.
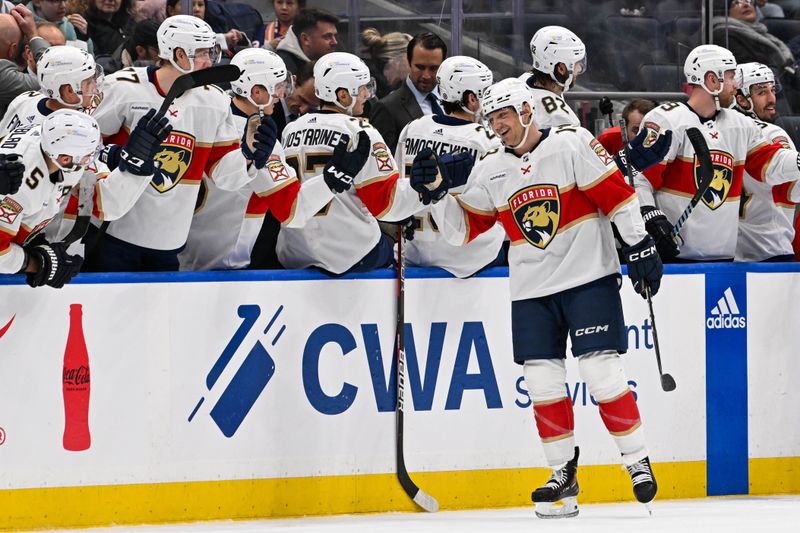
51	158
461	82
68	79
737	144
204	141
766	214
226	223
344	236
558	57
555	191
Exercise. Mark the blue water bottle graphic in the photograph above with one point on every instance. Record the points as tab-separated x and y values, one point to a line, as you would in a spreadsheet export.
250	379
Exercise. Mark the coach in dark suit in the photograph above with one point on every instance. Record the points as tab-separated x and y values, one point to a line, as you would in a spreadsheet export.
416	97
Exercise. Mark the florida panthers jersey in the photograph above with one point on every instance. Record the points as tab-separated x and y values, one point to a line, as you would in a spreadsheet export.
549	109
226	223
346	229
444	134
736	144
766	214
204	140
38	200
27	108
555	203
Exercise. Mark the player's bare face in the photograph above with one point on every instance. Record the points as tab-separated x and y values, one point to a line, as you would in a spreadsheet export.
302	98
202	58
764	99
423	67
89	90
729	88
634	121
506	125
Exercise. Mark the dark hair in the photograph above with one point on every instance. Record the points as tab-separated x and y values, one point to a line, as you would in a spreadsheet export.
305	72
307	19
172	3
455	107
428	41
301	3
642	105
144	34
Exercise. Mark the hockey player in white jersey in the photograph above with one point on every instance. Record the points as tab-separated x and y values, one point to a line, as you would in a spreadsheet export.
766	214
204	141
461	82
344	236
226	223
51	157
558	57
555	191
68	79
736	143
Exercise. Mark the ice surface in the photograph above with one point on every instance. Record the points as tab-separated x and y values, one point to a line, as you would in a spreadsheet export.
710	515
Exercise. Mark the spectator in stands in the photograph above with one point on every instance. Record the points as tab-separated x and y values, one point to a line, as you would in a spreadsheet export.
633	113
228	39
386	59
765	9
274	31
149	9
56	11
418	95
749	40
76	10
138	50
312	35
108	21
49	32
15	25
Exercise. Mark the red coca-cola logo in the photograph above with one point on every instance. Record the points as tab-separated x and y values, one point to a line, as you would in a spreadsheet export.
77	376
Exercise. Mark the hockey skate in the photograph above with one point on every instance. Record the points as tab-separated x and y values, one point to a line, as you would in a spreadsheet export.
558	497
644	482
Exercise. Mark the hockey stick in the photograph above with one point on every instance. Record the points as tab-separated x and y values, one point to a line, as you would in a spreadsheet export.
667	381
183	83
420	497
706	175
606	108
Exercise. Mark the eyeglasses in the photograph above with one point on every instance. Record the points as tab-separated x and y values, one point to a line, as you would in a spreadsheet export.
743	3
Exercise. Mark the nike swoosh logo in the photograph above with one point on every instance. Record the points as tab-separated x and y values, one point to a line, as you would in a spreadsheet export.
5	328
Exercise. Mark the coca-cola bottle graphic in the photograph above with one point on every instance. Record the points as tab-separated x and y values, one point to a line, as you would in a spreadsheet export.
76	385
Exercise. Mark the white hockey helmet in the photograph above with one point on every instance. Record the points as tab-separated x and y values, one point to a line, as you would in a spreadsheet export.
189	34
72	133
510	92
261	67
459	74
749	74
66	65
708	58
340	70
552	45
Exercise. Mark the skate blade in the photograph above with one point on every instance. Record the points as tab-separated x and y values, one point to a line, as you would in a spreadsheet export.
566	508
649	508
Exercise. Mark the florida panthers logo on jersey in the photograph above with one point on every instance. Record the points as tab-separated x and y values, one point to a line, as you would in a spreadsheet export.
537	212
720	186
174	157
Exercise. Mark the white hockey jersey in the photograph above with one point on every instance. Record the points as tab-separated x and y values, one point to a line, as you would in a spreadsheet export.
26	109
204	140
226	223
24	214
555	203
346	229
766	214
736	144
549	109
444	134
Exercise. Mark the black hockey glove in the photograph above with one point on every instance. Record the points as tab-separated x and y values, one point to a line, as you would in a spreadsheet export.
647	149
56	266
457	166
660	228
137	156
429	179
644	266
12	169
344	166
258	140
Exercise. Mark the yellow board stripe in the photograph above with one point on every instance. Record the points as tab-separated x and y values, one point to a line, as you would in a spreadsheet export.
287	497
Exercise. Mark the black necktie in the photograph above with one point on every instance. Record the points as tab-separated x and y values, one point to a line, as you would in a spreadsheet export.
436	109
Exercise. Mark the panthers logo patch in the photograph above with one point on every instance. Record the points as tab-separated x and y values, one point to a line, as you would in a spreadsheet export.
174	158
720	186
537	212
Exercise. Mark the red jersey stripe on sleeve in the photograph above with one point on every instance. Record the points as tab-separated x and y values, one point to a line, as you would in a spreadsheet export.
119	138
759	158
217	152
281	202
781	194
608	193
378	194
477	221
655	173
